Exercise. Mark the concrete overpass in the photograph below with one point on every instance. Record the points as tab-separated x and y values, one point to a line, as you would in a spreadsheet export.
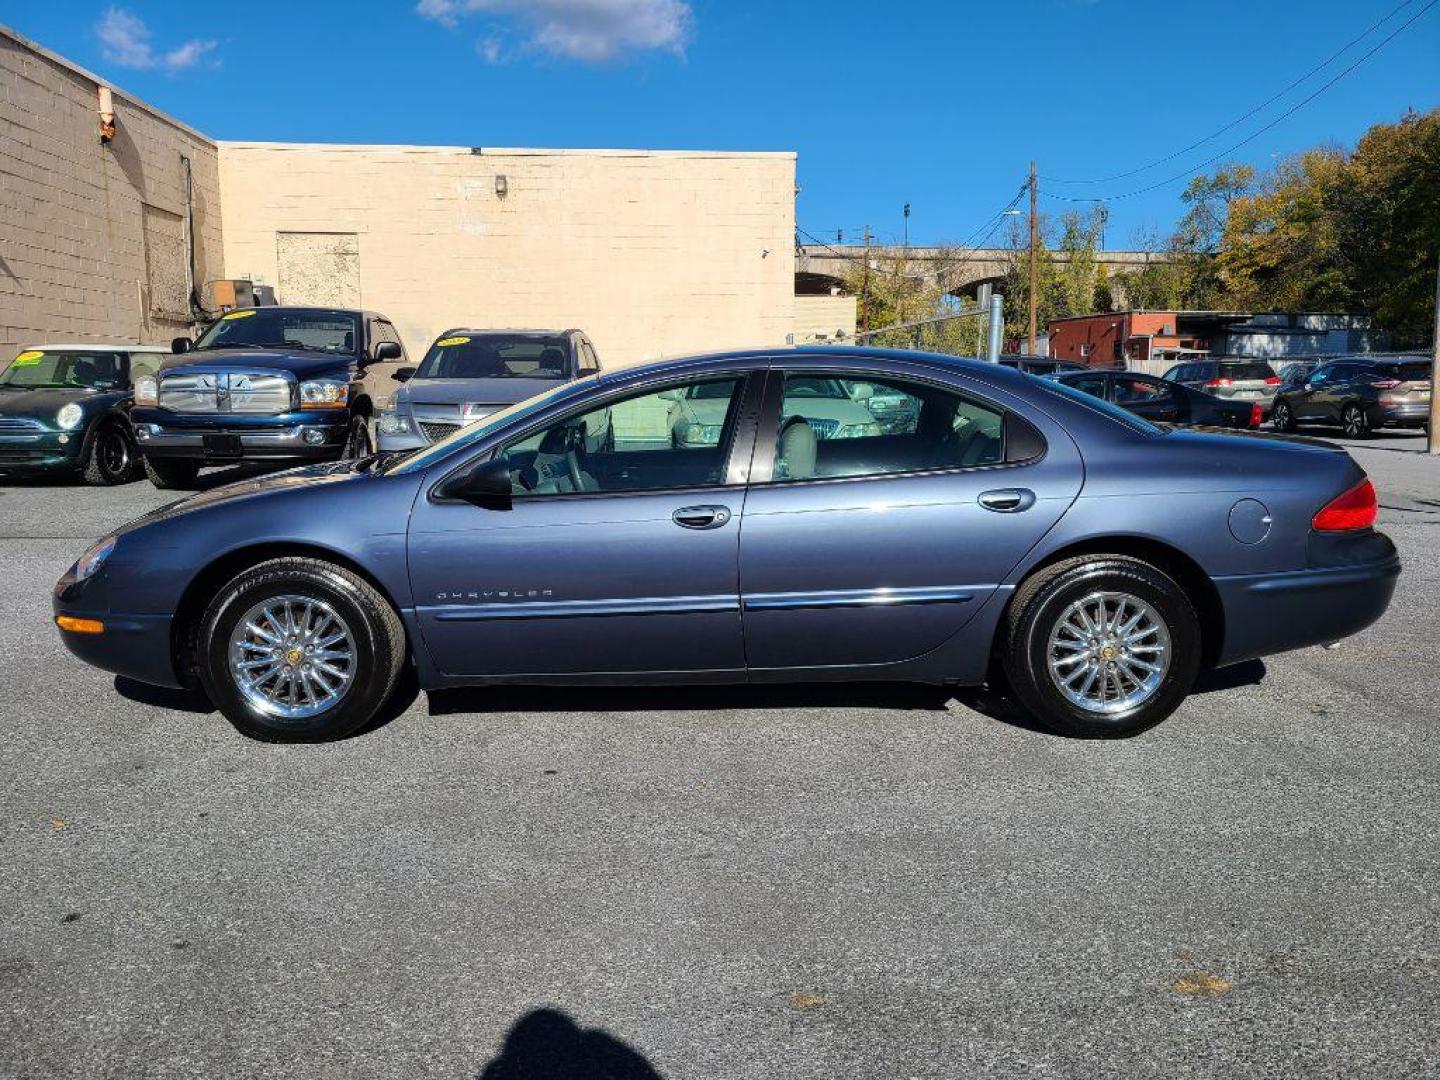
957	271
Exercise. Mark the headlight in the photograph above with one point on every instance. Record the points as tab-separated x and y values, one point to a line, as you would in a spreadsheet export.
70	415
91	561
857	431
702	434
147	390
393	423
324	394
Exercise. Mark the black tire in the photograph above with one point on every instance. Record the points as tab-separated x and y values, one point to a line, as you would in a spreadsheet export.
1355	421
1036	610
376	635
358	443
171	473
1281	417
112	457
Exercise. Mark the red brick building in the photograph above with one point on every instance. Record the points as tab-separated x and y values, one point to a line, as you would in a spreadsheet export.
1138	340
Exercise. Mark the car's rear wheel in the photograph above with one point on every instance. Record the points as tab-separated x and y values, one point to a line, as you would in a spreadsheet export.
170	473
1355	421
300	650
1101	646
111	457
1281	417
358	443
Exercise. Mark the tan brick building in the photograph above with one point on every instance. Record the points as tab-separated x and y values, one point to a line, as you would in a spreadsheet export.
653	253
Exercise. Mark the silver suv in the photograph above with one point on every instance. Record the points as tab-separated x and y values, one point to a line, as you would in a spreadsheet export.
1234	379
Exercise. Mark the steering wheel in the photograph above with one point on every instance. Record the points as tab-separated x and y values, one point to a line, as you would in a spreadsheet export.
572	460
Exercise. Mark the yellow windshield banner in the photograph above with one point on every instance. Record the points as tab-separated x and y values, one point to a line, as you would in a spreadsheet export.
448	341
29	358
238	315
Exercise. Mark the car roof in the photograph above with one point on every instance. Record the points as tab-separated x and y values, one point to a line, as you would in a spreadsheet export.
94	346
505	330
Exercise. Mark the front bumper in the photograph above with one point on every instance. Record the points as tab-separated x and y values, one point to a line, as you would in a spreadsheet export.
42	451
135	646
1272	613
293	436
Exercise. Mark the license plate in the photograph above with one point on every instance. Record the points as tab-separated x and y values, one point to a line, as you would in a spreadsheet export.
221	444
1248	394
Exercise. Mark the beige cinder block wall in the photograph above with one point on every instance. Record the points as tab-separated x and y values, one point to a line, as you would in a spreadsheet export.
825	318
653	253
91	235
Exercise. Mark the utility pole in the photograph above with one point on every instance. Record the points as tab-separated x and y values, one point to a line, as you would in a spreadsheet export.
865	286
1034	250
907	225
1435	348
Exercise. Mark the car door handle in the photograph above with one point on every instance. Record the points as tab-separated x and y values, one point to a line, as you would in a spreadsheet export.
701	517
1007	500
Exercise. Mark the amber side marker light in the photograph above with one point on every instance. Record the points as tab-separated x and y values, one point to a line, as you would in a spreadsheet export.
1355	509
79	626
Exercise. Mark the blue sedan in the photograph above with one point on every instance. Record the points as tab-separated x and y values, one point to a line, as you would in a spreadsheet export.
1010	528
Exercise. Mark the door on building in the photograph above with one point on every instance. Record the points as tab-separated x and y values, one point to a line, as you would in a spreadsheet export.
318	269
871	543
621	557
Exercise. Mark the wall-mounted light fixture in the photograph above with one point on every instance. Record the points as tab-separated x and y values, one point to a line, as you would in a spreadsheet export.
107	115
502	185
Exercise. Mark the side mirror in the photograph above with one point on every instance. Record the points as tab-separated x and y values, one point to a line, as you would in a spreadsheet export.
404	374
387	350
485	481
181	345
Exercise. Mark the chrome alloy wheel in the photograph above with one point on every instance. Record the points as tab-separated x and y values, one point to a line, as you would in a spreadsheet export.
1108	652
292	657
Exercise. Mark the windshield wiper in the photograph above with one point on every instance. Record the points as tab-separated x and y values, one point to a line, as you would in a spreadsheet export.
231	345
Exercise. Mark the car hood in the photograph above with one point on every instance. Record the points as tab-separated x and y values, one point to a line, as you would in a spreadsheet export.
308	478
44	404
303	364
481	391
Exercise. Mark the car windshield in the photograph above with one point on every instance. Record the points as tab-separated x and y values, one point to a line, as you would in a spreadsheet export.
1258	370
497	356
1100	405
312	329
481	429
40	369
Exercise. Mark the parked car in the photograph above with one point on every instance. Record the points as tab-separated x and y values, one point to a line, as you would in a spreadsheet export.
468	374
1360	394
66	409
282	385
1164	402
1293	372
1039	365
831	407
1102	560
1239	380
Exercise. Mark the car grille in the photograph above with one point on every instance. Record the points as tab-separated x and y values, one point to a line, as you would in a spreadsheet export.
243	392
17	425
435	430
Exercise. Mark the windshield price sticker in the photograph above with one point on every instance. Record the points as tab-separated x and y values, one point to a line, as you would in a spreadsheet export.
237	315
29	359
446	342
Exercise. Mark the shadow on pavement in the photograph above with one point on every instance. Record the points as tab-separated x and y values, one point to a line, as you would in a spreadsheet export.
163	697
546	1044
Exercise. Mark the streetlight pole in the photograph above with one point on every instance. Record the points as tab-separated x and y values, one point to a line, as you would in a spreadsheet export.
1034	251
1435	349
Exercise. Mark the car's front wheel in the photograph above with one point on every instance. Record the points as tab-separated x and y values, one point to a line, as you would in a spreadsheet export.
171	473
358	443
1281	417
300	650
1101	646
111	457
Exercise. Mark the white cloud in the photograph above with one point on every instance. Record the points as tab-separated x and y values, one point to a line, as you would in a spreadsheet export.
125	40
591	31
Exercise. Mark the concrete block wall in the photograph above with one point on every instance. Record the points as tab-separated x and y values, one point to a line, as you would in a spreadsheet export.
73	233
653	253
818	318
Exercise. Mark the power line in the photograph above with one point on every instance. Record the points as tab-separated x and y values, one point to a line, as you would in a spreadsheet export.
1192	170
1240	119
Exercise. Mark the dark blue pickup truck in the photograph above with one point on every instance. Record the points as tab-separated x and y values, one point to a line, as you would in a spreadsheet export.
274	384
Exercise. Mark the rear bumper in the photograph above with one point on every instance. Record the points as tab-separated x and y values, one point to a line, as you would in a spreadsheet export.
1405	414
1271	613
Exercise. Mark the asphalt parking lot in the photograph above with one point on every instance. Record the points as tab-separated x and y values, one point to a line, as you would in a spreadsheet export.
802	882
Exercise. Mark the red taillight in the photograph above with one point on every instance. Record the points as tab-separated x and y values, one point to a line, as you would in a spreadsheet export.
1257	415
1356	509
1219	382
1273	380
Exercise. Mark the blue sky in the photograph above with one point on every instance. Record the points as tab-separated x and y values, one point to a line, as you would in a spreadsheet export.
939	104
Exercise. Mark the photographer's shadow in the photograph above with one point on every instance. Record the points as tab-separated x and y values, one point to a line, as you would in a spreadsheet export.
546	1044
